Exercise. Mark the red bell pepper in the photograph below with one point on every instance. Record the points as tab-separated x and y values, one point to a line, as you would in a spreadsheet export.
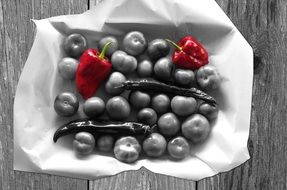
93	69
189	53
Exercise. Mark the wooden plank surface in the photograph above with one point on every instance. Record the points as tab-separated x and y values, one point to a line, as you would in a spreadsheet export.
264	24
141	180
16	41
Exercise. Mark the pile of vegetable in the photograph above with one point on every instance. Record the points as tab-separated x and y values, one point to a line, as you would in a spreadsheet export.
154	101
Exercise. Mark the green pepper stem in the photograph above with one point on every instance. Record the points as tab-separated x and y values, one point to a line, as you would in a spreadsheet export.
174	44
102	55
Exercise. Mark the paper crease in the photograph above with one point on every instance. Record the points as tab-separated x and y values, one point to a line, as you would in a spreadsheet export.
35	120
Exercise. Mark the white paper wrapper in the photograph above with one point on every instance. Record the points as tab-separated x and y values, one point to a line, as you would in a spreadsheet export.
35	120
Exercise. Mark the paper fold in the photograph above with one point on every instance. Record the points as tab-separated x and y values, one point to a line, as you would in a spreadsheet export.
35	120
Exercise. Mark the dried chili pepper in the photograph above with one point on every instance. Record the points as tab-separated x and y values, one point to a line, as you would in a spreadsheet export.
93	126
155	86
189	53
93	68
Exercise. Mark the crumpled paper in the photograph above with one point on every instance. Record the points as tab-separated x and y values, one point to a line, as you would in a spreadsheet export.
35	120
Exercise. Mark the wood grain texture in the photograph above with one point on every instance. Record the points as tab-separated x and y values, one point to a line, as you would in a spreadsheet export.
142	179
263	23
16	40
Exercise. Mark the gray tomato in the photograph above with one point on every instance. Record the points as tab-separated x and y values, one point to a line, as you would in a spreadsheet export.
84	143
67	67
163	69
168	124
183	106
74	45
105	143
208	77
114	81
196	128
209	111
154	145
94	107
158	48
184	77
118	108
160	103
127	149
66	104
139	99
114	46
123	62
134	43
178	148
147	116
145	68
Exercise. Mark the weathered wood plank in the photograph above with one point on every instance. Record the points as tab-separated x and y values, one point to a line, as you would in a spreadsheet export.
142	179
16	40
263	23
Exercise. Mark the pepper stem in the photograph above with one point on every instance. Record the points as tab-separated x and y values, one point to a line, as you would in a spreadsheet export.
174	44
102	55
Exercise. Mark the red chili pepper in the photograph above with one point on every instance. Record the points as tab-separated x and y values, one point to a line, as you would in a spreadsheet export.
93	68
189	53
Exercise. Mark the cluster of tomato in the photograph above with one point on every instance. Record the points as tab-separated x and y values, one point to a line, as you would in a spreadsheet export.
179	119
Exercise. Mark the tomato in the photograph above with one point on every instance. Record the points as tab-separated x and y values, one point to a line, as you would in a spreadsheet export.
94	107
118	108
184	77
168	124
160	103
154	145
139	99
105	143
112	48
74	45
208	77
183	106
67	67
196	128
147	116
209	111
134	43
84	143
127	149
178	148
66	104
115	80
